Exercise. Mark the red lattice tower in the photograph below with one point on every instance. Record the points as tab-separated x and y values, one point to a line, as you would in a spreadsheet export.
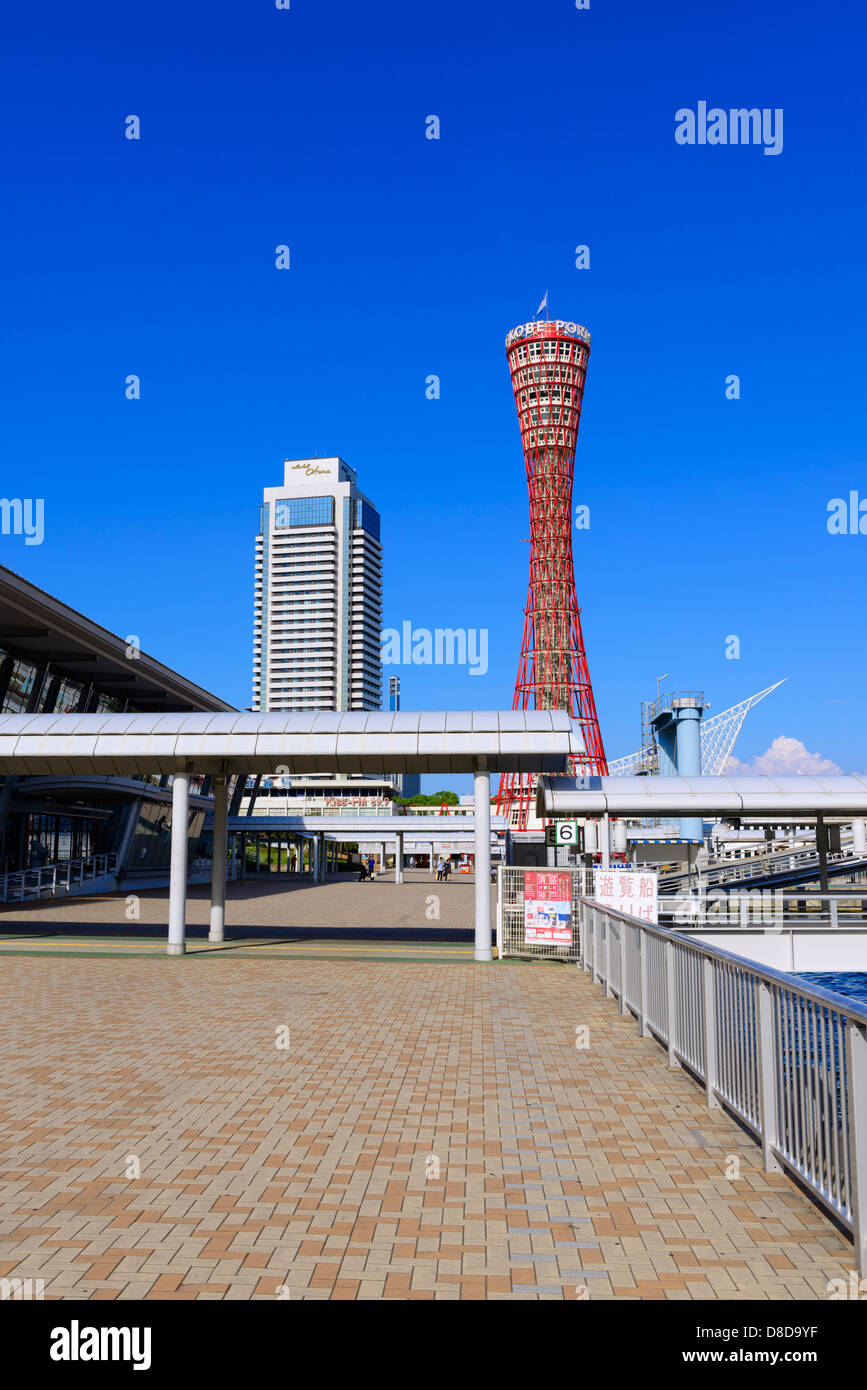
548	363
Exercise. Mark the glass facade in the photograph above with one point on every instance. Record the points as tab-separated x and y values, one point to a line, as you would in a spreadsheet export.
152	841
303	511
45	825
366	519
66	696
55	839
20	687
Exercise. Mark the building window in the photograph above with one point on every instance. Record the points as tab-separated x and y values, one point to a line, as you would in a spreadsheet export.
366	519
20	688
304	511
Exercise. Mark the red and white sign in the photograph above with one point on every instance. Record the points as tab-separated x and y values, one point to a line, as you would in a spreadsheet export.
627	891
547	908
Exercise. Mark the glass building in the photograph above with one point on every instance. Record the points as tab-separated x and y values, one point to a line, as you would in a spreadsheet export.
54	660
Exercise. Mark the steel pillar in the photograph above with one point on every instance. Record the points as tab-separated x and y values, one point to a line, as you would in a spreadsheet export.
398	857
822	850
482	866
218	864
178	865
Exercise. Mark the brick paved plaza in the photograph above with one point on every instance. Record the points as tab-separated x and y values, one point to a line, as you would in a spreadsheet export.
430	1131
272	901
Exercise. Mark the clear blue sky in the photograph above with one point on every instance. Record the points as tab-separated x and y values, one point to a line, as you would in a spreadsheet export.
411	257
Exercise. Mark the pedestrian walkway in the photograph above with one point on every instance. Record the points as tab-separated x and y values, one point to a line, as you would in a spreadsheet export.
221	1127
268	917
271	900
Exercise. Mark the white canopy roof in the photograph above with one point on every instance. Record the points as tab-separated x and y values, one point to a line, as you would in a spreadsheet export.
406	741
842	796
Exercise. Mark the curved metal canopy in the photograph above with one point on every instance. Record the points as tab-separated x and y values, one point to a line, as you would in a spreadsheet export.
406	741
842	796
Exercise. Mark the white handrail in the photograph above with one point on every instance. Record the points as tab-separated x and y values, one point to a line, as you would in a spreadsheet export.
20	884
788	1058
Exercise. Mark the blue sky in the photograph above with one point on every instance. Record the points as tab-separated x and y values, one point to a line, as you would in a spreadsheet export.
411	257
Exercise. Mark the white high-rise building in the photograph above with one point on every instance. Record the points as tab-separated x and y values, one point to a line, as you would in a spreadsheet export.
318	604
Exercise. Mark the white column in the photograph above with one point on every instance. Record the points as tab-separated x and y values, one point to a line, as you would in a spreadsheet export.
433	867
398	857
822	848
218	867
606	841
482	847
178	869
859	836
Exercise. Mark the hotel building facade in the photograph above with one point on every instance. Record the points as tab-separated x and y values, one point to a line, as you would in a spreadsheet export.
318	593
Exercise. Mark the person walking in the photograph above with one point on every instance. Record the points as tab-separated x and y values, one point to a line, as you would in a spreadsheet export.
447	868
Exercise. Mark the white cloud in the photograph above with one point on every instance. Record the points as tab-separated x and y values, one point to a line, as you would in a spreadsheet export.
786	757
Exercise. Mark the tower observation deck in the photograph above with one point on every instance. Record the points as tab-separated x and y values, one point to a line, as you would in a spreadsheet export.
548	365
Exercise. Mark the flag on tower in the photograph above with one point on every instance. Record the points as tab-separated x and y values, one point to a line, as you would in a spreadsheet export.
543	305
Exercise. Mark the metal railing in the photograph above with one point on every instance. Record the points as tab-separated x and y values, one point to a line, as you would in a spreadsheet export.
789	1059
510	912
52	879
765	907
755	866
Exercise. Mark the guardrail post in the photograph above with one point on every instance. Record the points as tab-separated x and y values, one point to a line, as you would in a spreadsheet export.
766	1068
607	926
671	1007
582	913
594	972
833	908
499	912
709	1008
856	1041
623	967
642	973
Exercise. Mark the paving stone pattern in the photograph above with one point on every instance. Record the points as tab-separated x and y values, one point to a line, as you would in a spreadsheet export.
430	1132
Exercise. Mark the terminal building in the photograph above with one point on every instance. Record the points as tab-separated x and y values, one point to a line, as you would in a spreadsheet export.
85	833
